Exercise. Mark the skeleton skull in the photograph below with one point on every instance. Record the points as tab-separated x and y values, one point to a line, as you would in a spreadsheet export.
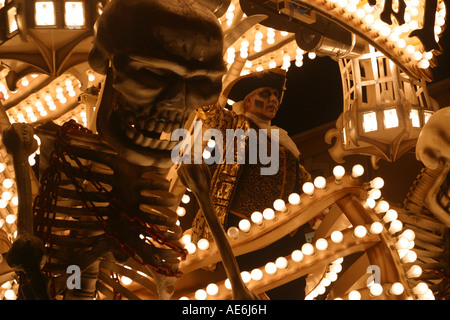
162	59
433	149
433	144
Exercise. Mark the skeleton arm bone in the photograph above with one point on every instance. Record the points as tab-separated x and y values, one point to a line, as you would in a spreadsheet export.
27	252
196	178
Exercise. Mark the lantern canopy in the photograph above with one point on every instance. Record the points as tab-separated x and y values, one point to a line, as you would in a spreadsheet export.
383	109
45	37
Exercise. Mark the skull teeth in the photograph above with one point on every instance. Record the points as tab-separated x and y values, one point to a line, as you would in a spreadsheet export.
141	138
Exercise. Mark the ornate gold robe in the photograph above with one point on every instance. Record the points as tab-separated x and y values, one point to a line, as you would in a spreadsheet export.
240	189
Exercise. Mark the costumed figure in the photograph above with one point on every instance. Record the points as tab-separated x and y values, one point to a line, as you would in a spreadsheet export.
239	189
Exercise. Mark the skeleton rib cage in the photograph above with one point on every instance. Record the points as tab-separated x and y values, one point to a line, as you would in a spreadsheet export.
73	215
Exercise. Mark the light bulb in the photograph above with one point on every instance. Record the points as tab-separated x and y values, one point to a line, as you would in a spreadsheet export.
408	234
233	232
360	231
423	64
203	244
395	226
206	154
257	217
402	243
258	35
377	183
320	182
337	236
428	295
228	284
186	238
294	199
336	268
181	211
357	171
281	263
10	218
385	31
396	289
370	202
245	276
376	228
354	295
10	295
321	244
410	257
325	282
428	55
390	216
91	76
200	294
256	274
212	289
374	194
270	268
338	172
3	203
307	249
185	199
191	248
125	280
244	225
420	288
376	289
308	188
382	206
7	183
331	275
414	272
297	256
279	205
269	214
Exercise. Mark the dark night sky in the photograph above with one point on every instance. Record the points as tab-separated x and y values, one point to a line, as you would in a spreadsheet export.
314	92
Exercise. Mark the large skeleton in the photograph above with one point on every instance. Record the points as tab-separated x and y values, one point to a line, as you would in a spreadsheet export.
115	206
107	194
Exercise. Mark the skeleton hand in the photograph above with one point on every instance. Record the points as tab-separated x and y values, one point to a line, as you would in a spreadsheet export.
433	149
27	253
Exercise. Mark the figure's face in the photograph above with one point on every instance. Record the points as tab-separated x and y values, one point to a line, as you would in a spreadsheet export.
263	102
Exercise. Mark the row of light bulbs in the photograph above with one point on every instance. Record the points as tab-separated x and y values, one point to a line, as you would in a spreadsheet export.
8	217
367	17
45	102
389	217
359	13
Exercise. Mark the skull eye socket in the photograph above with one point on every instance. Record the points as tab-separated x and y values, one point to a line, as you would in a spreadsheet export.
203	90
157	72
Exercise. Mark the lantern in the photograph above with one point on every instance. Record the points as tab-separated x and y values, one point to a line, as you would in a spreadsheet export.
384	109
27	46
